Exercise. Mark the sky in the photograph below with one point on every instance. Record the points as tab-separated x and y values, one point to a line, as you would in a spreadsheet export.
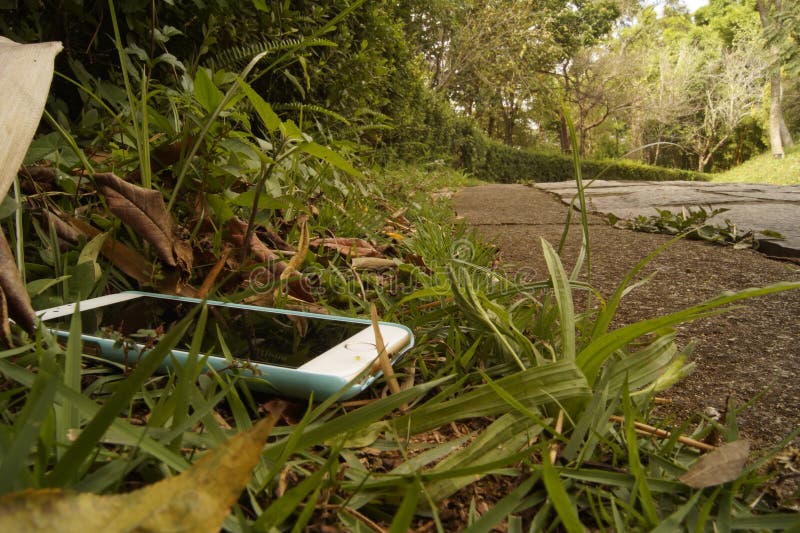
693	5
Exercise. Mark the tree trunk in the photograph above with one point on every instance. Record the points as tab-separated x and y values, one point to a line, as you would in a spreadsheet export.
786	136
779	136
775	114
563	134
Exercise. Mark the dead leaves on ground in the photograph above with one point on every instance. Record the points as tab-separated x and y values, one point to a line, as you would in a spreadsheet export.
347	246
199	499
144	210
720	466
15	301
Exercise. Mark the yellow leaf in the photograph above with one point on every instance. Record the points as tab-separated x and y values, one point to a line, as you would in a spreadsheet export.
198	500
396	236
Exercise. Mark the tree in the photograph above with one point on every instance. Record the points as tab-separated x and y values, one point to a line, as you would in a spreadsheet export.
732	91
600	83
491	58
773	20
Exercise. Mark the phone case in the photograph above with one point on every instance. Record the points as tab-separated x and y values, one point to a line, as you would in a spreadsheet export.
258	376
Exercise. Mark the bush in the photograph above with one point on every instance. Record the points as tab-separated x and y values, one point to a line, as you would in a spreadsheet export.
506	164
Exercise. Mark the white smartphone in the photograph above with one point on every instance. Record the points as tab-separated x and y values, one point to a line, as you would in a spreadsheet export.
283	352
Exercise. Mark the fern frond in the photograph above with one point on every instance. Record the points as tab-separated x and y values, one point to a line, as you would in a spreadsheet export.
236	56
311	108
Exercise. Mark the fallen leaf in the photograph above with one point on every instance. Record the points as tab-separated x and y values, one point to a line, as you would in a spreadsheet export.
5	327
162	157
26	71
212	276
373	263
199	499
125	258
38	178
348	246
17	300
719	466
237	229
64	230
396	236
144	210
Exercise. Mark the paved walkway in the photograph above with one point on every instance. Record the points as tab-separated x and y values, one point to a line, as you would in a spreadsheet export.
750	207
739	354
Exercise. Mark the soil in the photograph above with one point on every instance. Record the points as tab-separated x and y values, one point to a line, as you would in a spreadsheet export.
749	353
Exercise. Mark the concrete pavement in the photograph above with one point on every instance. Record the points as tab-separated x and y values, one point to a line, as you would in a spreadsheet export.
750	207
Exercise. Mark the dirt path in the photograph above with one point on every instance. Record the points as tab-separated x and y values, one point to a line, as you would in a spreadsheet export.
739	354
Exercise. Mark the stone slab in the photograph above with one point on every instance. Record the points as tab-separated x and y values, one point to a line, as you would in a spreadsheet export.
751	207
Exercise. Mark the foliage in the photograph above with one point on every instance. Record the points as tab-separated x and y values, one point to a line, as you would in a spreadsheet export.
510	165
693	224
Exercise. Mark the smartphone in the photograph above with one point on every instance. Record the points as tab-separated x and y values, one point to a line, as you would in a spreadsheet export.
282	352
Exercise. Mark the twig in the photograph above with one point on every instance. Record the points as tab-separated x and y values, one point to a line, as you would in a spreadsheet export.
554	445
383	357
645	429
208	283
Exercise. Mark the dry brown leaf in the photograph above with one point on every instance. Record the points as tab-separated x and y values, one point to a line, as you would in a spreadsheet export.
208	283
25	75
64	230
297	260
26	71
383	356
373	263
719	466
5	326
17	299
351	247
162	157
38	178
237	229
198	500
130	261
144	210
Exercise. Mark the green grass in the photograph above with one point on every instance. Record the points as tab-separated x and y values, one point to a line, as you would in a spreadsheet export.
765	169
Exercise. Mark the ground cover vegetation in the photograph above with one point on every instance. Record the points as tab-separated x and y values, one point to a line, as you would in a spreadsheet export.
183	155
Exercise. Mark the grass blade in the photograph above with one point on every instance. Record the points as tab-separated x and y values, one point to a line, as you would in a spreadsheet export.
592	357
503	508
67	469
90	410
405	513
280	511
559	497
67	413
563	294
26	428
642	489
673	521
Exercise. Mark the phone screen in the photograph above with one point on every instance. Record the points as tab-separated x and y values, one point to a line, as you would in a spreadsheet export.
270	338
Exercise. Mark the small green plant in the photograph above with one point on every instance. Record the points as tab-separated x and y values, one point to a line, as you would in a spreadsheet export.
693	223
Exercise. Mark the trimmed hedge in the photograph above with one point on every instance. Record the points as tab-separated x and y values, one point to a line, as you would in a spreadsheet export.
506	164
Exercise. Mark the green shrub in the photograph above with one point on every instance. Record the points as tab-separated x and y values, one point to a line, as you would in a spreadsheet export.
506	164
